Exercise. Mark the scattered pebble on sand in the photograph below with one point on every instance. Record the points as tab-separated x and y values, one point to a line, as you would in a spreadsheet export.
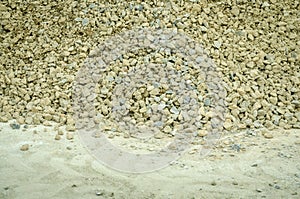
57	137
15	126
24	147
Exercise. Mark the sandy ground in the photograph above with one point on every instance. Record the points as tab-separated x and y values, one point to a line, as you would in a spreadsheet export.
262	168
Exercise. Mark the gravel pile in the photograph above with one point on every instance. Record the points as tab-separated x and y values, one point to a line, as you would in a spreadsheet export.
172	89
254	45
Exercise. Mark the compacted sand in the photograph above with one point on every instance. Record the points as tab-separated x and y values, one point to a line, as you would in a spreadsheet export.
249	166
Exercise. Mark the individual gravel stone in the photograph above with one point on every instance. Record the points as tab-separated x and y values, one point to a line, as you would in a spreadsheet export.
60	132
24	147
202	133
266	134
258	190
235	183
69	136
15	126
57	137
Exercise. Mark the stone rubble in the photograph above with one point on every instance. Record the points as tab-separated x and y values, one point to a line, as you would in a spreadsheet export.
253	44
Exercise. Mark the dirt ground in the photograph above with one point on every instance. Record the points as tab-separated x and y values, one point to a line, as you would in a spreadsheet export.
243	165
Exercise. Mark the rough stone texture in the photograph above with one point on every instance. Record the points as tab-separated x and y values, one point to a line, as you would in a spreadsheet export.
254	45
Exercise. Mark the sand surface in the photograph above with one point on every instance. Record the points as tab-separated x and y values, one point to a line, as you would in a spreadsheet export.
261	168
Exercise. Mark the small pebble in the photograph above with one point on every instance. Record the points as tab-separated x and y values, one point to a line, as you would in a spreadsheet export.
297	142
70	136
69	148
24	147
60	132
236	147
202	133
111	135
235	183
85	21
276	186
70	128
99	193
15	126
57	137
268	135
